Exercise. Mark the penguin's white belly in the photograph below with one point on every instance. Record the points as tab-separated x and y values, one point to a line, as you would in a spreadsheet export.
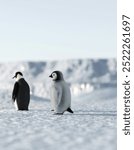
15	104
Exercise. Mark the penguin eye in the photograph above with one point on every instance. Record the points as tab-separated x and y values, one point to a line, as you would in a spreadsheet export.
54	75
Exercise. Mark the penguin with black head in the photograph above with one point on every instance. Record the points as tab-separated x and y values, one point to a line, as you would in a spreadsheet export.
60	94
21	92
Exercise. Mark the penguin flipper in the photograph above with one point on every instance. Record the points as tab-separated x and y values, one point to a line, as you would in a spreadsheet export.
15	91
70	110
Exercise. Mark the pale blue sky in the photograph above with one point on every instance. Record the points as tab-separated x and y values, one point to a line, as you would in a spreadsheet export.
57	29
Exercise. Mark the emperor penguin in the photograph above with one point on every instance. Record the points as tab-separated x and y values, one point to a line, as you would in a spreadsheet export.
21	92
60	94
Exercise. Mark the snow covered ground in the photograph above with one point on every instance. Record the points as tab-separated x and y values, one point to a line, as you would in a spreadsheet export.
91	127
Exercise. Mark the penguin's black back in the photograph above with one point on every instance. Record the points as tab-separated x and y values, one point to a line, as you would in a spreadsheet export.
23	95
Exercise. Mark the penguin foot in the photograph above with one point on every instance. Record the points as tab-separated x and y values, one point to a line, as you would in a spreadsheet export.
70	110
58	114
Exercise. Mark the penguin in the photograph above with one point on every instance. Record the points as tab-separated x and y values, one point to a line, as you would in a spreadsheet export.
21	92
60	94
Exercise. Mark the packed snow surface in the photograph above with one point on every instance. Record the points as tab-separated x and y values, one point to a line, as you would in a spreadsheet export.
91	127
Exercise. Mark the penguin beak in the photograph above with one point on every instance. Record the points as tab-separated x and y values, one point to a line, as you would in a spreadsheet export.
13	77
50	76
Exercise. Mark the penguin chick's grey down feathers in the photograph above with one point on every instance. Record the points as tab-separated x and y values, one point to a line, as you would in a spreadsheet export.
60	94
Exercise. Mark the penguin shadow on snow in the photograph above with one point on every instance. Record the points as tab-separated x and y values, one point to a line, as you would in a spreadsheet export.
93	113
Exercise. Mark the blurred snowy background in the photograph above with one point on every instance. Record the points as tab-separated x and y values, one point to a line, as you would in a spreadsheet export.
83	76
93	124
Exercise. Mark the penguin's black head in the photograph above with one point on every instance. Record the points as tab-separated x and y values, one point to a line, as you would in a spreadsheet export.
18	73
56	75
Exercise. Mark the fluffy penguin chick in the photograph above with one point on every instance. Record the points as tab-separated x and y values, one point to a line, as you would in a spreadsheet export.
60	94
